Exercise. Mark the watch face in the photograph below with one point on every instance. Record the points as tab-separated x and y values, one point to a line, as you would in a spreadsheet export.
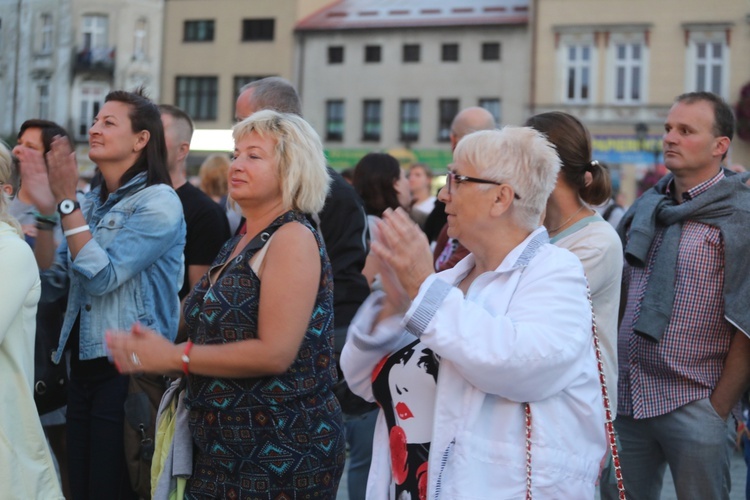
67	206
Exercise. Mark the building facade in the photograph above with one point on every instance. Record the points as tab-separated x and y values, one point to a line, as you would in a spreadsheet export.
211	52
618	65
35	62
391	76
60	58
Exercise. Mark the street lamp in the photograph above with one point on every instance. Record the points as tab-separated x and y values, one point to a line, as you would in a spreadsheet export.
641	133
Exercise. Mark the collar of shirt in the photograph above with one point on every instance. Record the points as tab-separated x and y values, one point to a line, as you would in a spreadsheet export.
701	188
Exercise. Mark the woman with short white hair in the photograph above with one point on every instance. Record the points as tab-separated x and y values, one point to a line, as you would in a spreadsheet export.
259	362
486	374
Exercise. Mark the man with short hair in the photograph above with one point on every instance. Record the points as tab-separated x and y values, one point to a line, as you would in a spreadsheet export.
206	222
448	251
683	341
37	135
343	226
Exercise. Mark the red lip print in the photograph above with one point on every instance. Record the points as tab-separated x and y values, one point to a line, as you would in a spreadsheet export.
404	413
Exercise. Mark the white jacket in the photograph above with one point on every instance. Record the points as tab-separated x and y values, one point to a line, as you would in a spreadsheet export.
521	334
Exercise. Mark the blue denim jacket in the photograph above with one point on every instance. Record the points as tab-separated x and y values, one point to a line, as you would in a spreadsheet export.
130	271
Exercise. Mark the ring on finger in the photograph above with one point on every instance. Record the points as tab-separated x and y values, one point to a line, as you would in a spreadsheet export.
135	359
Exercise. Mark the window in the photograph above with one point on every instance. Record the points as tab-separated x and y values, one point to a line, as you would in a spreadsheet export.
197	96
334	120
91	101
335	54
628	59
708	63
493	106
411	53
491	51
372	53
139	39
578	72
42	93
257	30
94	32
45	46
372	120
409	126
198	31
447	111
450	52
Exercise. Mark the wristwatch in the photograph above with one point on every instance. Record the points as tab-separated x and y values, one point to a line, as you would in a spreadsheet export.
67	207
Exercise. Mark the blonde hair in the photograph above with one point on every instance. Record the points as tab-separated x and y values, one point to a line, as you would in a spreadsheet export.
519	156
6	177
299	153
213	175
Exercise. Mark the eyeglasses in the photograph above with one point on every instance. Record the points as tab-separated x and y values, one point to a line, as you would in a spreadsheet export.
458	179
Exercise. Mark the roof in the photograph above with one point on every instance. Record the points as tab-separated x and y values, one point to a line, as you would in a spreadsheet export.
368	14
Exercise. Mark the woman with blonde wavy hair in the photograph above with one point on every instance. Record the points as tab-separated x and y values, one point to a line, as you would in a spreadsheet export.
26	468
260	326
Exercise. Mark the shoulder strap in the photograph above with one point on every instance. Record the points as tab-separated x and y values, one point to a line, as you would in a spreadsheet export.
608	212
257	259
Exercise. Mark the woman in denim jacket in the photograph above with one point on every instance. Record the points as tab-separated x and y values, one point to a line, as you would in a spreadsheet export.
120	263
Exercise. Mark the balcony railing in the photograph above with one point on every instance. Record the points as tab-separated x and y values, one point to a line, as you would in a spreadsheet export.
99	60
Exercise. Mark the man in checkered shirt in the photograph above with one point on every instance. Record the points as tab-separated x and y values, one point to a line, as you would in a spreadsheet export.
683	349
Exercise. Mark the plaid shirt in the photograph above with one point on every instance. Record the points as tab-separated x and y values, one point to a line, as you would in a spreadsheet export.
685	365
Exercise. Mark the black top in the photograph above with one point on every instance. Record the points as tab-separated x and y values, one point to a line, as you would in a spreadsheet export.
343	225
207	229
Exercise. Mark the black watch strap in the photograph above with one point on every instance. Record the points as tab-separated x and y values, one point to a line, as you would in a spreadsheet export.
67	207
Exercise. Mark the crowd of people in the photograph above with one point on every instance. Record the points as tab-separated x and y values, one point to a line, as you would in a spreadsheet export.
511	335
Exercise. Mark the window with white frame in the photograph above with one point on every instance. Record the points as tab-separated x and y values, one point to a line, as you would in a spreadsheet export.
43	101
91	99
45	44
708	62
577	55
94	32
628	59
139	39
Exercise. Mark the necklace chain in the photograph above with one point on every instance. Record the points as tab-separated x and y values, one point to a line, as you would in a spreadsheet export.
566	220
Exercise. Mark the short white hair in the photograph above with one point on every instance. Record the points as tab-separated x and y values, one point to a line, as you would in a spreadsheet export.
299	153
519	156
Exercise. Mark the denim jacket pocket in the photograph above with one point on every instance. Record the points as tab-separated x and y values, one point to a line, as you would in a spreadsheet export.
111	223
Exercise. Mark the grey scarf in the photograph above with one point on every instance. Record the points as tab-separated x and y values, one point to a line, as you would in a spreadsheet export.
725	206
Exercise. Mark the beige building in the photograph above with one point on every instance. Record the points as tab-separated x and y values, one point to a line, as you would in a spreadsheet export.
619	64
391	75
211	49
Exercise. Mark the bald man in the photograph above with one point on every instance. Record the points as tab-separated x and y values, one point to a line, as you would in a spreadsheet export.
470	120
448	251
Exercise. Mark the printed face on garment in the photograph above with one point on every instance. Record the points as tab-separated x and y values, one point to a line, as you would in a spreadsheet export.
689	142
254	174
413	391
111	137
